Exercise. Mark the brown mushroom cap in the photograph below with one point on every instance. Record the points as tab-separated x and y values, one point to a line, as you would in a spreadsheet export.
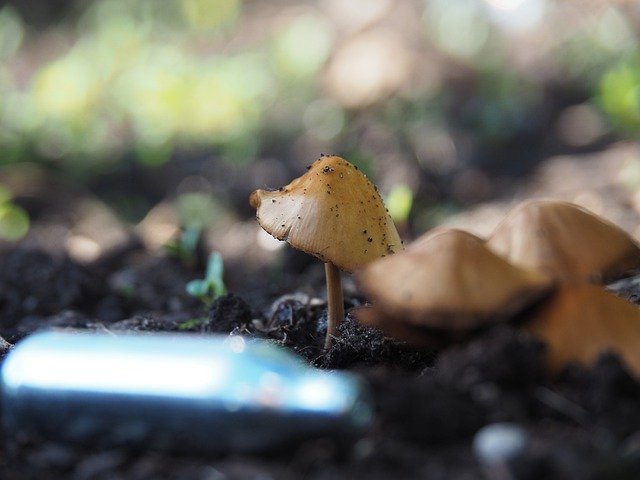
451	281
580	322
333	212
565	241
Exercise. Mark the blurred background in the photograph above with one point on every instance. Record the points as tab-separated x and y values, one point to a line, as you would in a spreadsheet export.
154	120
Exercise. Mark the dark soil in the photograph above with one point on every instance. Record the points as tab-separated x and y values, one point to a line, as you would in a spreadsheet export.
582	424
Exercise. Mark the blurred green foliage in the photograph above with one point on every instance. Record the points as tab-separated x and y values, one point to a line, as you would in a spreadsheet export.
14	221
196	210
116	78
134	79
399	203
620	96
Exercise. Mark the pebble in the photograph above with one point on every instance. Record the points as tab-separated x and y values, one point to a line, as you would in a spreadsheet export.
499	443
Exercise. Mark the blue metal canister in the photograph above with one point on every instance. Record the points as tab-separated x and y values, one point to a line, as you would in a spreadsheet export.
174	391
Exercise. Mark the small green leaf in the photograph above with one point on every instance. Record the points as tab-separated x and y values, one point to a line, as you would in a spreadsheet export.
212	286
197	288
190	324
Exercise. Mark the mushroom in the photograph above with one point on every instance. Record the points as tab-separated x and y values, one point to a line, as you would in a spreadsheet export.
448	281
580	322
334	213
565	241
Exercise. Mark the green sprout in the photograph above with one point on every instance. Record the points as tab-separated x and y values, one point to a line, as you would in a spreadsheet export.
192	324
196	211
212	285
184	248
127	290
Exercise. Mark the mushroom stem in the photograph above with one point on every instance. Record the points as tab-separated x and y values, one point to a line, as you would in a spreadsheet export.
335	303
